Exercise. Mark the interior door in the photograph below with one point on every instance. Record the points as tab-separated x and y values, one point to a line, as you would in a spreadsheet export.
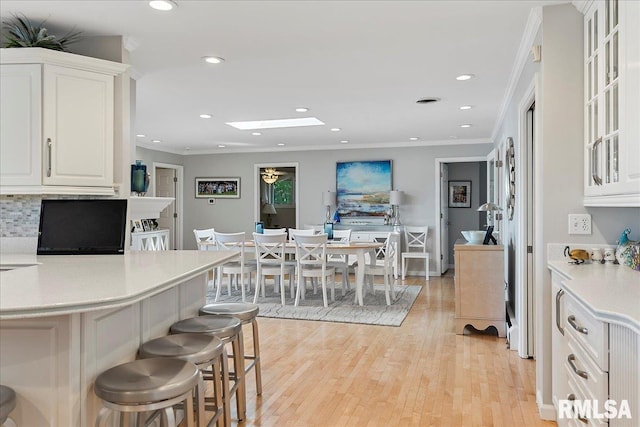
166	187
444	218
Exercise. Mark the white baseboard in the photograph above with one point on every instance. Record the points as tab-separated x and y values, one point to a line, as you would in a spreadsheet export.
546	411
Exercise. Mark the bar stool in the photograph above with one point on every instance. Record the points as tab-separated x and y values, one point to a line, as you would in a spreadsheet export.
205	352
146	385
229	330
7	404
247	314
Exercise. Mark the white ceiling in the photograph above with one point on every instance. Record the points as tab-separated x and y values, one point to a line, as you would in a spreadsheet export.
357	65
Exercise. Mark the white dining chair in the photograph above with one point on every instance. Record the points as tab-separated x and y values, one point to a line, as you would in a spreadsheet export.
341	261
237	269
274	231
205	241
293	232
416	238
387	255
270	260
311	258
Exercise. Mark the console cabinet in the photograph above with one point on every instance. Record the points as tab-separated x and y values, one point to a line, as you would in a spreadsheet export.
57	132
479	282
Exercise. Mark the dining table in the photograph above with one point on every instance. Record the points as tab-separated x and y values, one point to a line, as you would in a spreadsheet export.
359	249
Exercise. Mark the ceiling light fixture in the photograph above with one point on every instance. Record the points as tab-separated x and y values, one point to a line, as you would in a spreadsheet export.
413	138
277	123
344	141
281	144
256	133
302	109
270	175
205	116
213	59
463	77
465	107
221	146
140	135
465	126
335	129
163	5
155	140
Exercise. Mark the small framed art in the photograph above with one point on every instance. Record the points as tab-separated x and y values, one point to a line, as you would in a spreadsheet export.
459	194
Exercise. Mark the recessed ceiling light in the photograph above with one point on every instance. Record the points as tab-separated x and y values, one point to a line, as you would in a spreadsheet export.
413	138
205	116
256	133
465	107
140	135
465	126
277	123
163	5
221	145
281	144
302	109
155	140
453	137
344	141
213	59
335	129
463	77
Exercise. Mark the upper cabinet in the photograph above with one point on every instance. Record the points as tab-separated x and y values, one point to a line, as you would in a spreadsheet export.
612	103
57	133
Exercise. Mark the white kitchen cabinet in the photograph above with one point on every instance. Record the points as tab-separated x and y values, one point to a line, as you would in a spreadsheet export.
612	103
559	385
58	111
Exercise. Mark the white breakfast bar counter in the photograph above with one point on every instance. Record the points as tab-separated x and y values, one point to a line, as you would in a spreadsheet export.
66	319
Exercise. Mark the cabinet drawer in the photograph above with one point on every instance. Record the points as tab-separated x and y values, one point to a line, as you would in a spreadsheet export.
590	333
577	394
579	365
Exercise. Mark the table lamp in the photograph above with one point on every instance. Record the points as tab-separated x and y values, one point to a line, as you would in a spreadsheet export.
268	209
395	200
490	207
328	199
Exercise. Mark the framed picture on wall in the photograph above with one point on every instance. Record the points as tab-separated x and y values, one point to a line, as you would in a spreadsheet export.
223	188
459	194
363	188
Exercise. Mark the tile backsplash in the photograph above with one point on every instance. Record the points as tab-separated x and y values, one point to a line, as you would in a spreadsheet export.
19	216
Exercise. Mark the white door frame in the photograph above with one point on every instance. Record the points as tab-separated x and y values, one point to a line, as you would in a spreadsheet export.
179	196
437	197
256	189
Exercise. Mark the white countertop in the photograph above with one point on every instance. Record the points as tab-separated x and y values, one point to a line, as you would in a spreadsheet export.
610	291
63	284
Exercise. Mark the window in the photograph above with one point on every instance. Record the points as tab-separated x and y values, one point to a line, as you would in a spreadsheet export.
284	192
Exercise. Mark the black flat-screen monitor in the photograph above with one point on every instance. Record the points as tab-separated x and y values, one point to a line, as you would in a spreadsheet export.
81	227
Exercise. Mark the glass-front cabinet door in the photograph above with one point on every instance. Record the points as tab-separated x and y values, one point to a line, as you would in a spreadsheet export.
612	94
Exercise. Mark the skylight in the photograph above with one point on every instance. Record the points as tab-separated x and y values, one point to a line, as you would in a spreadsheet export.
277	123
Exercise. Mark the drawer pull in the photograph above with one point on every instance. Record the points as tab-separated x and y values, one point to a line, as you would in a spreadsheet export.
49	143
558	296
583	420
571	359
572	321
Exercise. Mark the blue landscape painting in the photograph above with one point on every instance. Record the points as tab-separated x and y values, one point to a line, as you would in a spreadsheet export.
363	188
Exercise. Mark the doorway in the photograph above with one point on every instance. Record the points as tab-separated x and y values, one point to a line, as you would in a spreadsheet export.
276	195
167	183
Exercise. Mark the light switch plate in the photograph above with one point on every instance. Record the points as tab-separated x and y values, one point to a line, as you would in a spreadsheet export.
579	224
212	201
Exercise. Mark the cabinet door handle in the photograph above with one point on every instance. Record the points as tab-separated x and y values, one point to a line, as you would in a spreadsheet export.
49	144
583	420
558	296
594	173
572	362
572	321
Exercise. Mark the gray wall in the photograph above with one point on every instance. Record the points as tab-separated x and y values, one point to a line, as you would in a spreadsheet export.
467	218
413	173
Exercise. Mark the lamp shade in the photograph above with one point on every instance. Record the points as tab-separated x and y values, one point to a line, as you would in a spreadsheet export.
489	206
329	198
269	209
395	197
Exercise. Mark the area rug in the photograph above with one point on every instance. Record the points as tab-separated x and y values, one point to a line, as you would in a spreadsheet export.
374	311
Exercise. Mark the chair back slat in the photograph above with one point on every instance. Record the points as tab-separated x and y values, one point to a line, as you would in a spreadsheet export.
205	238
231	242
293	232
270	248
416	238
311	251
340	236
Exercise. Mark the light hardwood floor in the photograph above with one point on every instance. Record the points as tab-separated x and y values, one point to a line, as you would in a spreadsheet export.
419	374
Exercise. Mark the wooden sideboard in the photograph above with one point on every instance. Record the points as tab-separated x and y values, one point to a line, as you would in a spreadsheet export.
479	281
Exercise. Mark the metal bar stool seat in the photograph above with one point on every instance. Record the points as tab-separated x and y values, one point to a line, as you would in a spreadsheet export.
205	352
247	314
7	404
229	330
147	385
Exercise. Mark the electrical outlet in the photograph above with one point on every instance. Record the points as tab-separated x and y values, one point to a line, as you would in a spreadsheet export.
579	224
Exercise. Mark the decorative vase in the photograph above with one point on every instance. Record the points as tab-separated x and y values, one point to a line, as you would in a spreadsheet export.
139	178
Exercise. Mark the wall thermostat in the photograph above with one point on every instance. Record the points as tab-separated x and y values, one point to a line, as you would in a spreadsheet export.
212	201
